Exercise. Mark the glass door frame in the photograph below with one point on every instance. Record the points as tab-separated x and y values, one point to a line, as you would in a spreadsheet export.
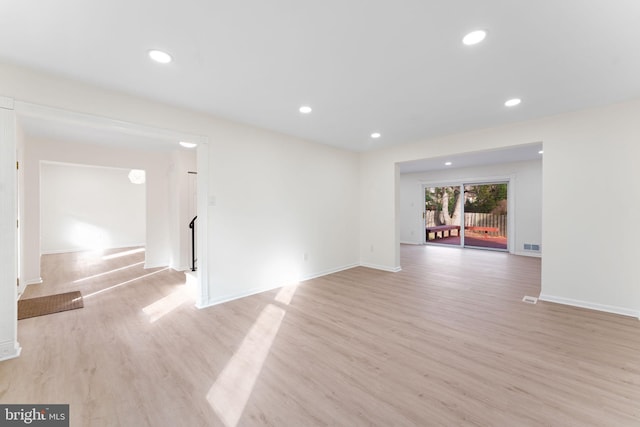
510	180
424	187
509	213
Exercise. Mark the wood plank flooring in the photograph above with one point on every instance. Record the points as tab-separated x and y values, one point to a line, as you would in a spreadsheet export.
447	341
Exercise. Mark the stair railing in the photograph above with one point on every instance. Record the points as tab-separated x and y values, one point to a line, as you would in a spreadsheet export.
192	226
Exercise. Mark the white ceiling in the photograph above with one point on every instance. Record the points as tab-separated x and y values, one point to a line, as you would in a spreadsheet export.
363	65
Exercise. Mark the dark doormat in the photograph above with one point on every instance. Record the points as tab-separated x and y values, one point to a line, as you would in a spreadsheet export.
33	307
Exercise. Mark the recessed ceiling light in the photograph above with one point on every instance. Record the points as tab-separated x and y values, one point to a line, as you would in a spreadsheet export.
474	37
376	135
186	144
305	109
541	152
513	102
448	163
160	56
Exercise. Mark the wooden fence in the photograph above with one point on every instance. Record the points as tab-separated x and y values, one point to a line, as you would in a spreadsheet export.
477	220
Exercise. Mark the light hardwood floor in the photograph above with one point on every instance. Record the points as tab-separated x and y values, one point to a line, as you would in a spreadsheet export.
447	341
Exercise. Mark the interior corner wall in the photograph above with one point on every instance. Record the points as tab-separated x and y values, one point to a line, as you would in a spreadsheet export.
589	164
88	207
156	165
526	191
378	235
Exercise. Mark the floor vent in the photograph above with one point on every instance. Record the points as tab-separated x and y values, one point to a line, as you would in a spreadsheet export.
529	300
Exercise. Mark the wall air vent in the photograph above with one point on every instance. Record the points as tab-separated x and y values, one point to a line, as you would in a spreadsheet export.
531	247
529	300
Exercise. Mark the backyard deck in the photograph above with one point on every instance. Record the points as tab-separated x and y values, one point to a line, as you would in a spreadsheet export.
481	240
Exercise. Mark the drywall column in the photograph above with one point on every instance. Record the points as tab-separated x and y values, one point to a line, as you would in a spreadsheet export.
9	347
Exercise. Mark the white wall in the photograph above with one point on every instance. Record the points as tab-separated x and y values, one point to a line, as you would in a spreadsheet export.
86	207
587	154
272	198
525	197
278	198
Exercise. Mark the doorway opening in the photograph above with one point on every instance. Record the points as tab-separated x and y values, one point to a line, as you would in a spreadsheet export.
153	149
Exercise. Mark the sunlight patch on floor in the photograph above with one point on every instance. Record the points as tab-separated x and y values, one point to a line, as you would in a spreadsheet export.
230	393
124	283
286	294
123	253
167	304
108	272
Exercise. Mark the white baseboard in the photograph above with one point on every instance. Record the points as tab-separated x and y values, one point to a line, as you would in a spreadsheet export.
74	250
402	242
231	297
61	251
590	305
36	281
381	267
330	271
155	265
9	350
528	253
200	305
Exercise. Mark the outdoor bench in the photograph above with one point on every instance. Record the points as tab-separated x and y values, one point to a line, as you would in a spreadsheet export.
442	229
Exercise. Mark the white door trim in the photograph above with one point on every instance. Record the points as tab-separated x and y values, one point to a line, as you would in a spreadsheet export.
9	346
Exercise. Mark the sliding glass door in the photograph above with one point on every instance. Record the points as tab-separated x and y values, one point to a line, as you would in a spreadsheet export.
485	215
470	215
442	215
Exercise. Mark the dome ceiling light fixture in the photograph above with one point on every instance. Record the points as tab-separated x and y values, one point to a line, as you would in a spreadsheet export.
137	176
